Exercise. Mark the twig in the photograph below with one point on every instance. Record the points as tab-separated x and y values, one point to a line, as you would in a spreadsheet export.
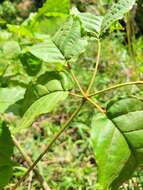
76	95
96	105
75	79
57	135
116	86
30	180
43	183
96	68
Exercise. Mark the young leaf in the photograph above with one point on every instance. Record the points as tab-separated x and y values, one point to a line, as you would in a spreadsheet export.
69	40
6	150
116	12
43	105
110	148
91	23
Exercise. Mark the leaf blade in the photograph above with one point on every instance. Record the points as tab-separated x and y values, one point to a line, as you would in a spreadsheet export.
107	141
116	12
44	105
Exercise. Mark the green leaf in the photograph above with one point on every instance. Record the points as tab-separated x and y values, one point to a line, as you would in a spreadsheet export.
47	52
43	105
46	83
116	12
69	39
11	48
127	116
123	106
56	81
9	96
6	151
55	8
31	63
91	23
110	148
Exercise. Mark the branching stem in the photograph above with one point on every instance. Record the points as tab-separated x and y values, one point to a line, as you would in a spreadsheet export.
76	95
116	86
96	68
75	79
99	108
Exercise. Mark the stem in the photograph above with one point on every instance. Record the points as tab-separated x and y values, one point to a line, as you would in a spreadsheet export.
96	105
76	95
43	183
129	33
51	143
96	68
75	79
116	86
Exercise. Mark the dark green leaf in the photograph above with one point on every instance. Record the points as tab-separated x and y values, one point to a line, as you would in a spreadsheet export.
6	151
31	63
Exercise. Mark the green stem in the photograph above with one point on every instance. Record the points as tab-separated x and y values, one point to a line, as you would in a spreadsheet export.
116	86
100	109
75	79
43	183
50	144
96	68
